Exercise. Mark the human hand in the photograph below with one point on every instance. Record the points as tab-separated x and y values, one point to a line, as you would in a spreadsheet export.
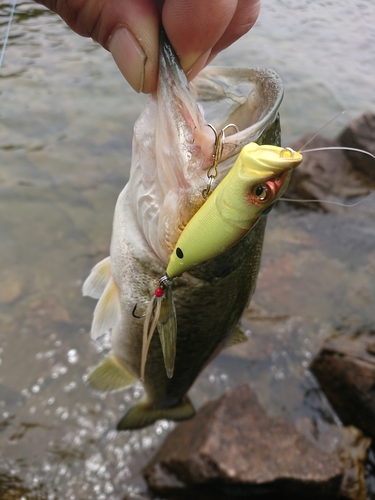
197	29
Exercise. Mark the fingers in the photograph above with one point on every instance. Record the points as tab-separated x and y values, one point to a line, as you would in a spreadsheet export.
195	26
197	29
134	42
128	29
246	14
200	29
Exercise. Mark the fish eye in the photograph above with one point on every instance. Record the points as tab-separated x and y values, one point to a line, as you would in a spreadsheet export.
261	192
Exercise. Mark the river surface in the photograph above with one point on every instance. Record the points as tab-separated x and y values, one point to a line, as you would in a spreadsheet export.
66	119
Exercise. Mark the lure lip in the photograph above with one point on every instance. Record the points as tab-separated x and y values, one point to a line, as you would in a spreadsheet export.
262	163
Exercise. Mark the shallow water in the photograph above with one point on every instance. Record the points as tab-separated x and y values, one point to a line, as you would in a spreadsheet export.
65	146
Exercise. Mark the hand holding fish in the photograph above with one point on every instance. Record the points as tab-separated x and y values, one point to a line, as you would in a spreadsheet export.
197	29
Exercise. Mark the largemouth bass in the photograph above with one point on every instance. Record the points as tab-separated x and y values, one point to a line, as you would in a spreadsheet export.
172	153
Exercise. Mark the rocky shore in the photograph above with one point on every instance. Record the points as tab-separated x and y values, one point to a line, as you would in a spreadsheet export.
234	448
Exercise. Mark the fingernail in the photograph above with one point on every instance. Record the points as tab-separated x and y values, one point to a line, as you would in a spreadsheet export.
194	64
129	57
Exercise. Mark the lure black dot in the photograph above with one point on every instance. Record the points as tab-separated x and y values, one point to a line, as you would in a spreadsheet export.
179	253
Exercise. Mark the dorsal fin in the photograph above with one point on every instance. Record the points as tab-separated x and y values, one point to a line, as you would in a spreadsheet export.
98	279
107	311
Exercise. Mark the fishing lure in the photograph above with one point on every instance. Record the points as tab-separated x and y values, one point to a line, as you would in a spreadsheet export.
259	176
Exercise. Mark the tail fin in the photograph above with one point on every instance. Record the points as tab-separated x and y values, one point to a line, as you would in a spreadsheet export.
143	415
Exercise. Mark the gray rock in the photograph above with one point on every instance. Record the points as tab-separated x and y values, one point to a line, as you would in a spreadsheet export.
233	443
360	133
345	369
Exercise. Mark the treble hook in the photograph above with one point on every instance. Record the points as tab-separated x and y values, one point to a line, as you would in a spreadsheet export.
135	315
144	314
163	283
212	172
221	137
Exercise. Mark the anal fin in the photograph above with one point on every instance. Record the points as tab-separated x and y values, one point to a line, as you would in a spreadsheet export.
107	311
143	415
98	279
110	375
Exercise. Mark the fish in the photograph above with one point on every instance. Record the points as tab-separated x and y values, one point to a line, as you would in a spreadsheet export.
175	147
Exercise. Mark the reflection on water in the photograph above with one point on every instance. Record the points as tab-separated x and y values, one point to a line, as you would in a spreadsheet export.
65	147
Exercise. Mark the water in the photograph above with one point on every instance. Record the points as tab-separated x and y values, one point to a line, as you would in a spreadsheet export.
65	147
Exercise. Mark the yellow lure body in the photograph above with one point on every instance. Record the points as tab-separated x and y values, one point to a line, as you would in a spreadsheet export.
234	206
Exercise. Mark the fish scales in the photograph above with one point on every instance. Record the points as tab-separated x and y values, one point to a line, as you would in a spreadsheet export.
172	152
202	333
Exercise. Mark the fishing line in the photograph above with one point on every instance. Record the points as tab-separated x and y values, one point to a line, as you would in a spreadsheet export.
13	8
321	128
331	202
346	148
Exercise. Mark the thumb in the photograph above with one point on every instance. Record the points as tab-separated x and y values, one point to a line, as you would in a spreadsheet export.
134	43
128	29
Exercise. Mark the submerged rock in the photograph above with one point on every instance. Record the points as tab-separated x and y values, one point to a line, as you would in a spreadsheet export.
232	443
345	369
360	133
11	286
349	444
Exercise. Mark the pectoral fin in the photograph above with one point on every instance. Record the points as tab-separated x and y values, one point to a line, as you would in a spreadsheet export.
143	415
98	279
110	375
107	311
237	338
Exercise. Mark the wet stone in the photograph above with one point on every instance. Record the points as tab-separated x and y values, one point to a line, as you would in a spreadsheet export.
232	443
350	444
45	313
325	176
360	133
11	286
345	369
